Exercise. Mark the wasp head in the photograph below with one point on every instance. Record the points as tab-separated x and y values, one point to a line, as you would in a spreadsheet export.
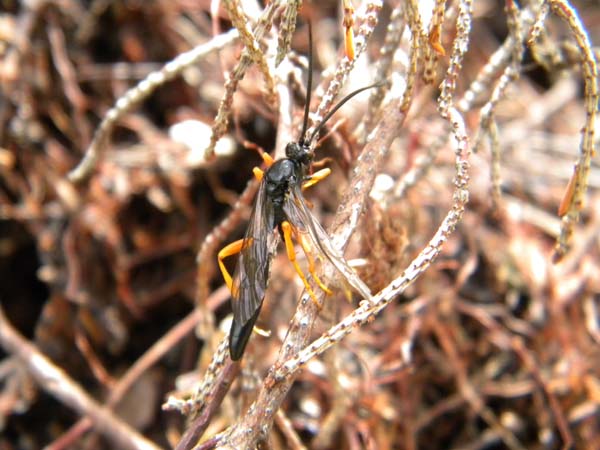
300	153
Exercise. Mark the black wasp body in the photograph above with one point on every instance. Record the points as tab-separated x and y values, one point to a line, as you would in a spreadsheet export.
279	178
281	211
279	205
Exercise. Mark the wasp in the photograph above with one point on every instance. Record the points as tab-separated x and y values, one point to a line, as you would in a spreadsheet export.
280	212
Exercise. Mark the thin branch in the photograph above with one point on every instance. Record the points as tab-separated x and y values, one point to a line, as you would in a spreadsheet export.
138	93
574	202
222	119
286	29
147	360
57	383
369	21
199	424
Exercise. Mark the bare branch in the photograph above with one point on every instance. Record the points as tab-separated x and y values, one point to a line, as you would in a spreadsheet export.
58	384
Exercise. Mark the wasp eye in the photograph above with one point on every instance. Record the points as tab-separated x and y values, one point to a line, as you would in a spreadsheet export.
307	155
293	150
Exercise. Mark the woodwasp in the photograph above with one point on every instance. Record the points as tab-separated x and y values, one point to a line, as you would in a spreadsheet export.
279	204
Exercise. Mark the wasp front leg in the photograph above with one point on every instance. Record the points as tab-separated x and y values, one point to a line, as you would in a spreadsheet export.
257	171
313	179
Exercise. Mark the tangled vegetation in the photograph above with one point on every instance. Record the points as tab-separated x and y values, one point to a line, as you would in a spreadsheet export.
463	191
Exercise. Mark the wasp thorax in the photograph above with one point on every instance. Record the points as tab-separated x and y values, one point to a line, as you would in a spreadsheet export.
279	177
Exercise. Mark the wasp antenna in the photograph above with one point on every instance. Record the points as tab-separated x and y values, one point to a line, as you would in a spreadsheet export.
308	85
338	106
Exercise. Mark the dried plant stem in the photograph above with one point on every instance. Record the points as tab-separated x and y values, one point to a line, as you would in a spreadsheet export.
58	384
393	36
415	22
251	46
368	22
367	310
434	47
416	32
288	25
136	94
538	26
488	125
199	424
574	202
199	399
246	59
459	48
495	65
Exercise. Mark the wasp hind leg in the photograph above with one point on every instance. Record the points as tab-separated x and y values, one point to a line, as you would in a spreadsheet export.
229	250
291	254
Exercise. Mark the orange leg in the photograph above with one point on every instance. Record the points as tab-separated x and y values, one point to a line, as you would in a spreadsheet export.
316	177
258	172
229	250
311	262
268	159
291	254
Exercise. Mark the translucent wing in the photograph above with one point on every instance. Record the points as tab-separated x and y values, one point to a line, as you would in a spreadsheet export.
302	219
252	272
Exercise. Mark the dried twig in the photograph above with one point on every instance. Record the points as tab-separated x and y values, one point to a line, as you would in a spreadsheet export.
57	383
136	94
252	47
288	25
391	44
369	19
147	360
222	119
573	202
511	74
199	424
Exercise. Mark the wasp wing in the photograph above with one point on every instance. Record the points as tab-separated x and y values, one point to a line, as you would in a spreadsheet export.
252	272
302	219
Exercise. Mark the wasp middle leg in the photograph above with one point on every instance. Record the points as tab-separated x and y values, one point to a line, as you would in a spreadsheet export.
287	230
306	247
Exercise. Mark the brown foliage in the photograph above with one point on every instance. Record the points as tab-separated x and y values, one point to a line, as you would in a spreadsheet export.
121	176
